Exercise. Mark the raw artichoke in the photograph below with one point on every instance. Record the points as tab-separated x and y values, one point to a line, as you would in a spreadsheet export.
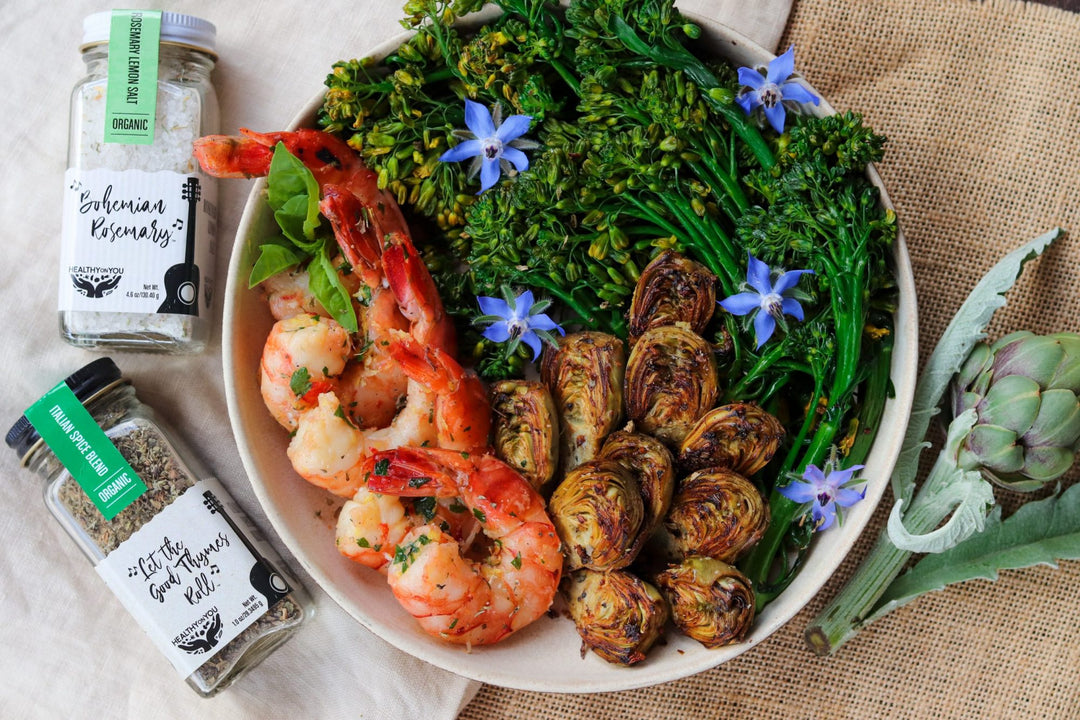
1024	390
618	615
526	429
585	377
672	289
670	382
717	513
598	512
710	601
740	436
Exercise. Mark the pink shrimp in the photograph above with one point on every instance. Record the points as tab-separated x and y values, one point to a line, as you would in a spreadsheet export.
329	158
465	601
445	407
302	358
416	293
372	525
462	407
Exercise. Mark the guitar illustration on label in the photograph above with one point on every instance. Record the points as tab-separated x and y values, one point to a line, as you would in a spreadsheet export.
182	280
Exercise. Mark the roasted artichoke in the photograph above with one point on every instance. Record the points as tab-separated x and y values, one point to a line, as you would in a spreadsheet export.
598	512
710	601
672	289
585	377
618	615
651	464
740	436
670	382
717	513
526	429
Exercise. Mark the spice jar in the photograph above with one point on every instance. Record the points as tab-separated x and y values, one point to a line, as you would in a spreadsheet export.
139	217
162	533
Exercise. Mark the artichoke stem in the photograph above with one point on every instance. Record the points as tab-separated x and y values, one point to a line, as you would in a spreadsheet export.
852	608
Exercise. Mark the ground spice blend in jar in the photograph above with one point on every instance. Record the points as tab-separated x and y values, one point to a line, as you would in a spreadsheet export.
176	550
139	216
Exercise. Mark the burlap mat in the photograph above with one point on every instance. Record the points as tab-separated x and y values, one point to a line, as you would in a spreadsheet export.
980	104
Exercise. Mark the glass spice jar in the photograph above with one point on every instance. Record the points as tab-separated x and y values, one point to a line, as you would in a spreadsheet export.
139	216
163	534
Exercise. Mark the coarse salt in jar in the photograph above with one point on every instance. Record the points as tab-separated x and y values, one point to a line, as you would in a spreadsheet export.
139	217
181	556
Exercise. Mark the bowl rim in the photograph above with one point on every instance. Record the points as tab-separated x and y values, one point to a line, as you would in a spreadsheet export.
737	48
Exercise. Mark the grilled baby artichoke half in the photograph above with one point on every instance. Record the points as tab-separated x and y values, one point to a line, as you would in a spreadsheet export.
598	513
670	382
740	436
717	513
526	429
585	377
652	466
618	615
672	289
711	601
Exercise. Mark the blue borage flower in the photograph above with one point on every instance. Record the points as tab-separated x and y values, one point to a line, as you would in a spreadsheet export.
771	90
493	144
770	300
518	320
828	489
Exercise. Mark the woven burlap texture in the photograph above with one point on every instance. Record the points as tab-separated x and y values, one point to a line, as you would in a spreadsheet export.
979	102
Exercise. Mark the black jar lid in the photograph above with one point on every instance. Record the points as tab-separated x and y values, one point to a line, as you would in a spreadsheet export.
85	382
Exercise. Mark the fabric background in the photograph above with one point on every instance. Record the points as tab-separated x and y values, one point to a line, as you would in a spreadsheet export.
67	649
980	159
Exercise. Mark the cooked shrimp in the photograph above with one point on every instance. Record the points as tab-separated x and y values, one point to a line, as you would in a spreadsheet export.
373	384
372	525
453	597
329	158
417	296
327	450
462	408
302	358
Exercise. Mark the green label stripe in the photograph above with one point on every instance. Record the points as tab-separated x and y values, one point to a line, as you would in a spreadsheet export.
84	449
131	87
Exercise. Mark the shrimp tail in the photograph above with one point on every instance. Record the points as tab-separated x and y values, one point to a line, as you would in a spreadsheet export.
417	472
353	227
227	156
416	293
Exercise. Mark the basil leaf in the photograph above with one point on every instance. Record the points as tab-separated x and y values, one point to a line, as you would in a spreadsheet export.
327	288
293	195
274	257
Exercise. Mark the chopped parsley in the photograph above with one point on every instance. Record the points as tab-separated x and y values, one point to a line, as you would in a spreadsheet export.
382	467
426	507
419	482
300	382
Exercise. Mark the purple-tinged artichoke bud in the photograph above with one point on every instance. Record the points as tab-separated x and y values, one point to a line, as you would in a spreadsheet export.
1023	389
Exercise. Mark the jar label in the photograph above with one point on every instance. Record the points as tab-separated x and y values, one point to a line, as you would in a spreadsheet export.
131	95
81	445
136	241
192	579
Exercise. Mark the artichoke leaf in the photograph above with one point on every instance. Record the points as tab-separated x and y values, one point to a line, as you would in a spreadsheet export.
1040	532
965	329
949	488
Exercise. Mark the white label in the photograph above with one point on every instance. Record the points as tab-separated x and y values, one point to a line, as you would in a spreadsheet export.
137	241
190	580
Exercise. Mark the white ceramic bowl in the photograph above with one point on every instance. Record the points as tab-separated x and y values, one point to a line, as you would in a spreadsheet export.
546	655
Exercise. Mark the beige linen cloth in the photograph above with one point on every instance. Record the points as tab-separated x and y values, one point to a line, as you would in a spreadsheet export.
67	649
